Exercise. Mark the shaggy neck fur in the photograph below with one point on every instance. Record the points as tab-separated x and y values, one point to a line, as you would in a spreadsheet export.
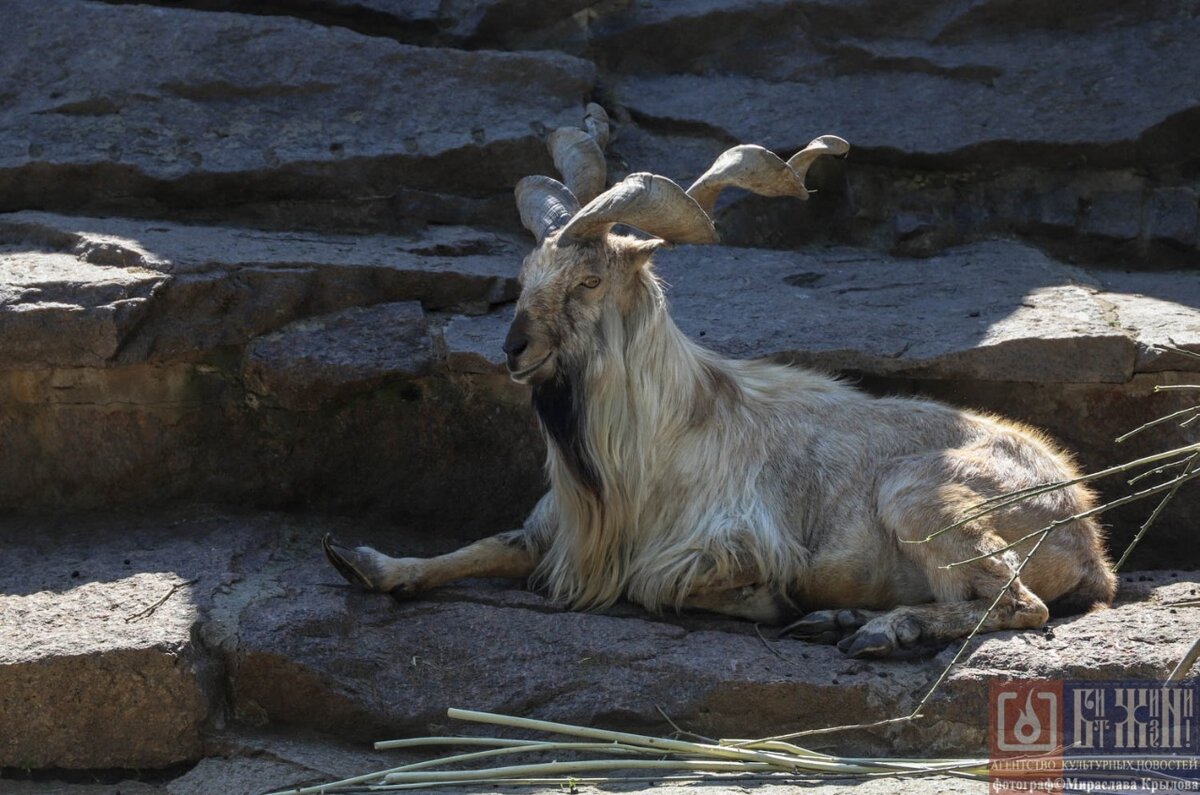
605	419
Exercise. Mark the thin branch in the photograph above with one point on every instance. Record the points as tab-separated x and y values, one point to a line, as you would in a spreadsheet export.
1176	349
679	731
1159	421
978	626
145	613
1024	494
1172	485
1157	471
829	730
758	632
1169	387
1186	663
1191	464
415	742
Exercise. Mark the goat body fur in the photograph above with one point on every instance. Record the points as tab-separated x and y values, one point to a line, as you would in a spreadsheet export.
671	466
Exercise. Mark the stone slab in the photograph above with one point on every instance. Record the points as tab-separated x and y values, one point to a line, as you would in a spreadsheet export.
316	361
273	120
1097	84
300	652
994	311
86	291
99	666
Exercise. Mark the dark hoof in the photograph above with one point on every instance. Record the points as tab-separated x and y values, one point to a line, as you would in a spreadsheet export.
824	626
341	557
867	643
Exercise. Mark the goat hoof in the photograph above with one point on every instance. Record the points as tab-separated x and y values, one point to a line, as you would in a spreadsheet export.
867	643
818	627
825	626
347	561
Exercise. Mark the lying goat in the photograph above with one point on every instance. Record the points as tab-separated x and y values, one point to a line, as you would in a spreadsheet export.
682	479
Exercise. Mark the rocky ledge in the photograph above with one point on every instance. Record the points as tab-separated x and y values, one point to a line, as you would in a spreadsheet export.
144	361
142	641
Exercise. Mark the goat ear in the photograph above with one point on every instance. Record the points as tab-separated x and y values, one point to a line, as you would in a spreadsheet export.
638	252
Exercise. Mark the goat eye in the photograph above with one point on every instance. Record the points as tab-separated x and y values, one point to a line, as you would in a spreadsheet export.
591	282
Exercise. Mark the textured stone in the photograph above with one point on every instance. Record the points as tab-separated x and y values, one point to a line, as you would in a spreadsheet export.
99	667
299	654
475	344
1171	215
1095	86
57	310
137	109
85	291
313	362
363	666
1159	309
1116	214
992	310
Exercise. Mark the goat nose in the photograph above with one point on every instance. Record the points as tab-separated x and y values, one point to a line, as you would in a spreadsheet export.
515	346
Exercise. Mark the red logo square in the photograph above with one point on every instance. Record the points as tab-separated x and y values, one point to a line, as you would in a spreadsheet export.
1025	730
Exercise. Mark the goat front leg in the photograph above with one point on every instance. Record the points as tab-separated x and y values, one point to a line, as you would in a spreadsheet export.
512	554
740	594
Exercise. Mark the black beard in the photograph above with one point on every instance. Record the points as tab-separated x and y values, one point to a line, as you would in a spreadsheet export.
559	403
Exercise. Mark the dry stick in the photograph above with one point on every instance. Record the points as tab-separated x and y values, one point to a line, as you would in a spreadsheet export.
1172	485
1169	387
1157	471
582	766
815	762
657	743
139	615
1159	421
1024	494
758	632
827	730
411	742
680	732
1191	463
978	626
506	746
1176	349
1186	663
592	780
603	748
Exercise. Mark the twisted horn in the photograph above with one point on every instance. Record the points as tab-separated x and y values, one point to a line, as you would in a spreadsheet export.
648	202
596	123
545	205
579	154
760	171
818	147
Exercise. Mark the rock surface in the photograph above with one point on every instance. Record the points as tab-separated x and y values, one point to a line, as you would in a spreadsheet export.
340	373
308	316
283	649
310	363
137	109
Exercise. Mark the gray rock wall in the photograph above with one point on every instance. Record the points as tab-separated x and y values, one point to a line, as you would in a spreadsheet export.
263	253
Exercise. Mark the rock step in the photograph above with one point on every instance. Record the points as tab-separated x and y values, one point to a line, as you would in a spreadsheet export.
294	123
144	362
1085	145
204	618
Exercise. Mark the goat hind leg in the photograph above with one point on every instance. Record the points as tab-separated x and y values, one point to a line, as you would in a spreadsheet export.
504	555
941	622
919	497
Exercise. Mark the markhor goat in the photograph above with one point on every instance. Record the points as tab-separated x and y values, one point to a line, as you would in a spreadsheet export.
682	479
